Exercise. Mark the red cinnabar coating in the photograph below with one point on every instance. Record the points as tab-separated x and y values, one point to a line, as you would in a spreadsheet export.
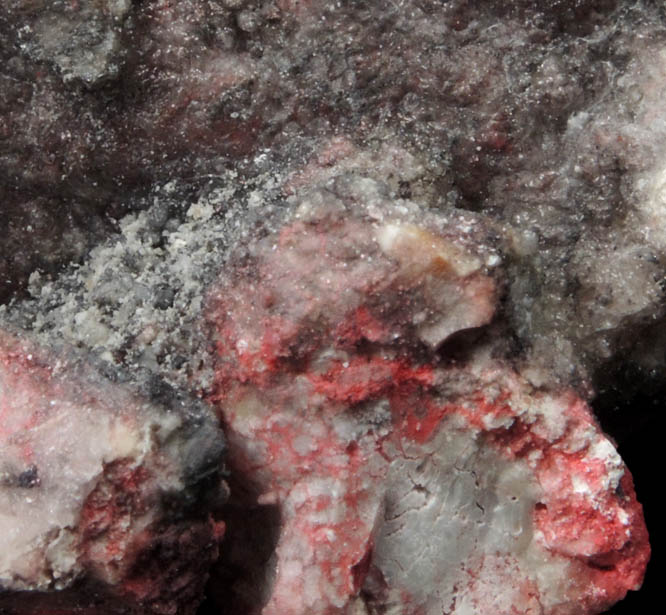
405	482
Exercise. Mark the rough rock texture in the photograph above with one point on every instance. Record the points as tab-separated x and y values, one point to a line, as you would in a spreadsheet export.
103	488
408	481
81	40
348	353
544	116
154	143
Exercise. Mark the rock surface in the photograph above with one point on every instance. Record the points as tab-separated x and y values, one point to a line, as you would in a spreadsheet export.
102	487
409	481
545	117
514	152
355	343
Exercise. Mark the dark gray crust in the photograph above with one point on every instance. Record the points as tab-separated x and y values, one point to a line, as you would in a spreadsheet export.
529	114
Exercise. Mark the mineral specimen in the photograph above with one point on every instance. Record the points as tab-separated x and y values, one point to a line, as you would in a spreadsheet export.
482	180
409	481
106	489
544	116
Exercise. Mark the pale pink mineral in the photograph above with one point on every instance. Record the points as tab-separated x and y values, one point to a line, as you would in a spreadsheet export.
102	486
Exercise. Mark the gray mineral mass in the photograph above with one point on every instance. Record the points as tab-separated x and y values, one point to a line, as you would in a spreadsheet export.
313	307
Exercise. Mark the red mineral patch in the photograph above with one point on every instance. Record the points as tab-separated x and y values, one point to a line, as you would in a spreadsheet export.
448	481
87	466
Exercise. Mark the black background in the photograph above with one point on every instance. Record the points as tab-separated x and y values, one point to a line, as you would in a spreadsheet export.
637	424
